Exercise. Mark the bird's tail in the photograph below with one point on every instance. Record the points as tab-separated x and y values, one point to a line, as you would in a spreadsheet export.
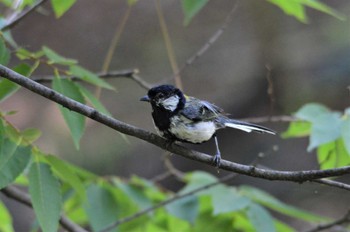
247	127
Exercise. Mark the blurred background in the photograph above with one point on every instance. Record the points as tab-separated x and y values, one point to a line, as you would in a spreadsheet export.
306	63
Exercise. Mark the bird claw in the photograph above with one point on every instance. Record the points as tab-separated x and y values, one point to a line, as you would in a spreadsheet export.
217	160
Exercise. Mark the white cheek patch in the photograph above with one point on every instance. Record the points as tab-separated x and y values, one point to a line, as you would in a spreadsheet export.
170	103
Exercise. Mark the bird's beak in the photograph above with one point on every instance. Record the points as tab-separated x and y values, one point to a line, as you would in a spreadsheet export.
145	98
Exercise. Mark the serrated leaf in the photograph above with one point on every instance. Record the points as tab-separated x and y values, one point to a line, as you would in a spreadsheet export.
186	208
260	218
101	207
61	6
269	201
74	121
89	77
93	100
227	199
297	129
5	219
135	193
333	155
57	59
325	128
67	174
4	53
45	193
13	160
311	111
346	134
191	7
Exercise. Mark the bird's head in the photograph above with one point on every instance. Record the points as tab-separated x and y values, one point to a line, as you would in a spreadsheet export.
165	97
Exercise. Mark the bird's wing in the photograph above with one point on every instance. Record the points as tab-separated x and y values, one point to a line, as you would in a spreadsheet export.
199	110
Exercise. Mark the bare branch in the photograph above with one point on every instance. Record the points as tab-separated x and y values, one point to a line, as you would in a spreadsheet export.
333	183
278	118
24	198
170	200
296	176
345	219
21	16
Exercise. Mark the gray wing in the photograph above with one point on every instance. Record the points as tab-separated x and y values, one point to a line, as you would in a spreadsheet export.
199	110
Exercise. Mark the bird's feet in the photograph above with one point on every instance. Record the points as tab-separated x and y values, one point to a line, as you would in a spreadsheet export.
217	159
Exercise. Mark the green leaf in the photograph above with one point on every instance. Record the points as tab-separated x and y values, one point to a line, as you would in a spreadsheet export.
227	199
297	129
191	7
323	8
45	193
185	208
30	135
269	201
93	100
13	160
260	218
333	155
67	174
346	134
57	59
311	111
7	88
89	77
5	219
325	128
101	207
292	8
61	6
282	227
4	53
75	121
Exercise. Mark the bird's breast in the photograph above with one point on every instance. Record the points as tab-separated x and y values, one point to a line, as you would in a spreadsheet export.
190	131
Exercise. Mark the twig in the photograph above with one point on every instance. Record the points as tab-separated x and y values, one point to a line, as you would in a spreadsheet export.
169	165
270	89
296	176
343	220
166	202
333	183
207	45
278	118
168	45
24	198
128	73
21	16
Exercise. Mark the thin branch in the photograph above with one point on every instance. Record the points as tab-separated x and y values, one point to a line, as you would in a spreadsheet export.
333	183
166	202
127	73
345	219
21	16
296	176
168	45
278	118
24	198
207	45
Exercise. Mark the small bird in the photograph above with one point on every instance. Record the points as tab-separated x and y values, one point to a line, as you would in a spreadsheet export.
178	117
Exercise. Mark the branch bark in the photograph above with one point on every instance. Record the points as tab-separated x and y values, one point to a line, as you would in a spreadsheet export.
296	176
24	198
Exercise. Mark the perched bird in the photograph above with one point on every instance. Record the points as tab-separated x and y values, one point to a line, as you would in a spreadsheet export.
178	117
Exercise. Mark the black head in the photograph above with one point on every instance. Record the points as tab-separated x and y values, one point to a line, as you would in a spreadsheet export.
165	97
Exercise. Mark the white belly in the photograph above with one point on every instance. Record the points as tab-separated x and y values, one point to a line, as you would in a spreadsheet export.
194	132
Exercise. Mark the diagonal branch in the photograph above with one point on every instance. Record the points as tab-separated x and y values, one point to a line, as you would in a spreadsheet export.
24	198
345	219
296	176
22	15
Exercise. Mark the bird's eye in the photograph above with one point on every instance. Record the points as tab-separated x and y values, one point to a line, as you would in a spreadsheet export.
160	95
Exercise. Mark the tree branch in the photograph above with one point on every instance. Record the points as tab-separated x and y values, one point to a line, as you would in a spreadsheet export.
21	16
18	195
296	176
333	183
343	220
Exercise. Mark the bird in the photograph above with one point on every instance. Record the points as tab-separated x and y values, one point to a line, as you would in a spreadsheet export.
178	117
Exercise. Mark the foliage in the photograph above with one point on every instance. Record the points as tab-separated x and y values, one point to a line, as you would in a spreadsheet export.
56	186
